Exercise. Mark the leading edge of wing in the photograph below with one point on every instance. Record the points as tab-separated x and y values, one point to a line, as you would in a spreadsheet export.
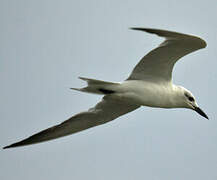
172	35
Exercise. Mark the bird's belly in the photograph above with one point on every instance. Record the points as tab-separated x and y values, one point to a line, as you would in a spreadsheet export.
148	94
151	99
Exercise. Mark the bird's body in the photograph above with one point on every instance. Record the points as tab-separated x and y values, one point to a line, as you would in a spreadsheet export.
149	84
146	93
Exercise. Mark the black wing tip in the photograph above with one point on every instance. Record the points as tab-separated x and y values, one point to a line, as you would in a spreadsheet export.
138	28
10	146
24	142
158	32
149	30
13	145
6	147
171	34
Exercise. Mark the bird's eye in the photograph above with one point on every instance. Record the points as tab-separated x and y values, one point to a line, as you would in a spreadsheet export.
191	99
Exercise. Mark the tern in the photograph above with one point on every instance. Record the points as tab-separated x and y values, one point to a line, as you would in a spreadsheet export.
149	84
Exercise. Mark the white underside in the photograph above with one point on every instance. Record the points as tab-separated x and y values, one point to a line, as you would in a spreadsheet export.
145	93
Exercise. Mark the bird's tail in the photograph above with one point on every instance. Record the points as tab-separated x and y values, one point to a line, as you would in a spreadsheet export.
98	86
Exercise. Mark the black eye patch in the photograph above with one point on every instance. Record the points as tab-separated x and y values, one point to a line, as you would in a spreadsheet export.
191	99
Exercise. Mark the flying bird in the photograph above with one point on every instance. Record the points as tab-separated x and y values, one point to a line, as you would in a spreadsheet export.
149	84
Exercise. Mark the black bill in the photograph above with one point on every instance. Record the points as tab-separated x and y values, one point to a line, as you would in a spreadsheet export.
199	111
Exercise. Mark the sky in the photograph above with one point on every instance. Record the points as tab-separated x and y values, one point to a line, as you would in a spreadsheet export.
46	44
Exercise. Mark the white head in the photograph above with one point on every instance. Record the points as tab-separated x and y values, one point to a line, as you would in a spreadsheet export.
187	100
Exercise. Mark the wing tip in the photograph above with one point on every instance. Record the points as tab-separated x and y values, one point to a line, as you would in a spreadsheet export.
24	142
159	32
17	144
149	30
139	29
10	146
6	147
172	34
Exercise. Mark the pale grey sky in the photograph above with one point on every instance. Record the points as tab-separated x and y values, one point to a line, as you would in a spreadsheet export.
45	45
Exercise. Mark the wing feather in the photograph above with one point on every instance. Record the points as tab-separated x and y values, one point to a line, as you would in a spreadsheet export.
158	64
106	110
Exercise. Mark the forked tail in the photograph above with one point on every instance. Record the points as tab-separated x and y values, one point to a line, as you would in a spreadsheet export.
98	86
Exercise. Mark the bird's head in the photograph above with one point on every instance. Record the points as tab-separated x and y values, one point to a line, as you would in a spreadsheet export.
190	102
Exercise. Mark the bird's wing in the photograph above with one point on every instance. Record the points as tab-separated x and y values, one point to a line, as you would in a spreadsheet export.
157	65
106	110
